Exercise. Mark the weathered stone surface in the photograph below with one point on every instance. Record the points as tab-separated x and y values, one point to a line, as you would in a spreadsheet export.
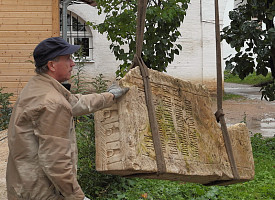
191	138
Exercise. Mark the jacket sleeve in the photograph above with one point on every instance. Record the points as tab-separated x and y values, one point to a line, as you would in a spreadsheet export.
85	104
55	150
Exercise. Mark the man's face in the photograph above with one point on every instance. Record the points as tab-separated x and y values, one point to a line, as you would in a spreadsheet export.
63	67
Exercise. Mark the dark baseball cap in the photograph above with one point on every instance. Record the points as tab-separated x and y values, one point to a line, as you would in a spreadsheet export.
50	48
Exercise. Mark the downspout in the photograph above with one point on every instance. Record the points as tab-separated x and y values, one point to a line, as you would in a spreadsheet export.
65	4
202	58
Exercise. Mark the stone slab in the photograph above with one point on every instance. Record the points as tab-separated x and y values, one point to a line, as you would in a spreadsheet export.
191	138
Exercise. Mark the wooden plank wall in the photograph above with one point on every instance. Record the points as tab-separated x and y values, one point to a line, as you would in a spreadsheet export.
23	24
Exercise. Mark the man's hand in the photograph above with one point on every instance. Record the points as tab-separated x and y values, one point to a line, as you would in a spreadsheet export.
117	91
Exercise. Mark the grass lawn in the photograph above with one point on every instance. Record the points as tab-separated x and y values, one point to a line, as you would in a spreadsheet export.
228	96
262	187
251	79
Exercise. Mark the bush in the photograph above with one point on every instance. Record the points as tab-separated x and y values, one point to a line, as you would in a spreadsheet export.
5	109
94	184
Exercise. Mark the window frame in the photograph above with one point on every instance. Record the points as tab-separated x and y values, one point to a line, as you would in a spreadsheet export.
73	34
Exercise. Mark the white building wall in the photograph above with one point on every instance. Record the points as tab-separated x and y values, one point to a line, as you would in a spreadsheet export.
188	64
197	60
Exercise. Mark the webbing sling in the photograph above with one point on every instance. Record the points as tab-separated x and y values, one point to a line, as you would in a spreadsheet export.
161	167
219	114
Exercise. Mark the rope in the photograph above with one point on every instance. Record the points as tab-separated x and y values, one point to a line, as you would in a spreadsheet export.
161	166
219	114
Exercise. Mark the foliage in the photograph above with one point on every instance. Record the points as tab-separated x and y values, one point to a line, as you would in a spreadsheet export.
268	92
255	47
100	84
163	18
78	78
81	86
5	109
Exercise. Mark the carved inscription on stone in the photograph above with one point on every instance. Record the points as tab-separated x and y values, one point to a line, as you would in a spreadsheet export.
176	124
109	137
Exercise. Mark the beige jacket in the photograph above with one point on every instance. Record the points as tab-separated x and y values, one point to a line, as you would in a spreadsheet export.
42	159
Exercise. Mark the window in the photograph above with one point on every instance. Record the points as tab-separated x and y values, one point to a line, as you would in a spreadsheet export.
78	33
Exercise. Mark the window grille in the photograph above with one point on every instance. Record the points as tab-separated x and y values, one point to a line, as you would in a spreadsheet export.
78	33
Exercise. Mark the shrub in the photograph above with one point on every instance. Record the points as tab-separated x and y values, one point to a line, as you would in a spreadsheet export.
5	109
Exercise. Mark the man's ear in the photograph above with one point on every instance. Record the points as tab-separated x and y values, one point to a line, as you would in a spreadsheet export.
51	66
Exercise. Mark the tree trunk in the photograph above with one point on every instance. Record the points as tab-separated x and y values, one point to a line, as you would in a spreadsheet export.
270	25
272	62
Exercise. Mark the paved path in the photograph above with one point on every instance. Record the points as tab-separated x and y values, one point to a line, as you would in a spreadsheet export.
247	91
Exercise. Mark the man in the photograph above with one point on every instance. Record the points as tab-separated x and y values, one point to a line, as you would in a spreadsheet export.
42	160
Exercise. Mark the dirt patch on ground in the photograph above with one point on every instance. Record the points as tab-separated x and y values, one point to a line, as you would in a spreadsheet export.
259	115
3	163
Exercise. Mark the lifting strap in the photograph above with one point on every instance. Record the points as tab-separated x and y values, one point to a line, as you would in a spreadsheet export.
219	114
161	166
